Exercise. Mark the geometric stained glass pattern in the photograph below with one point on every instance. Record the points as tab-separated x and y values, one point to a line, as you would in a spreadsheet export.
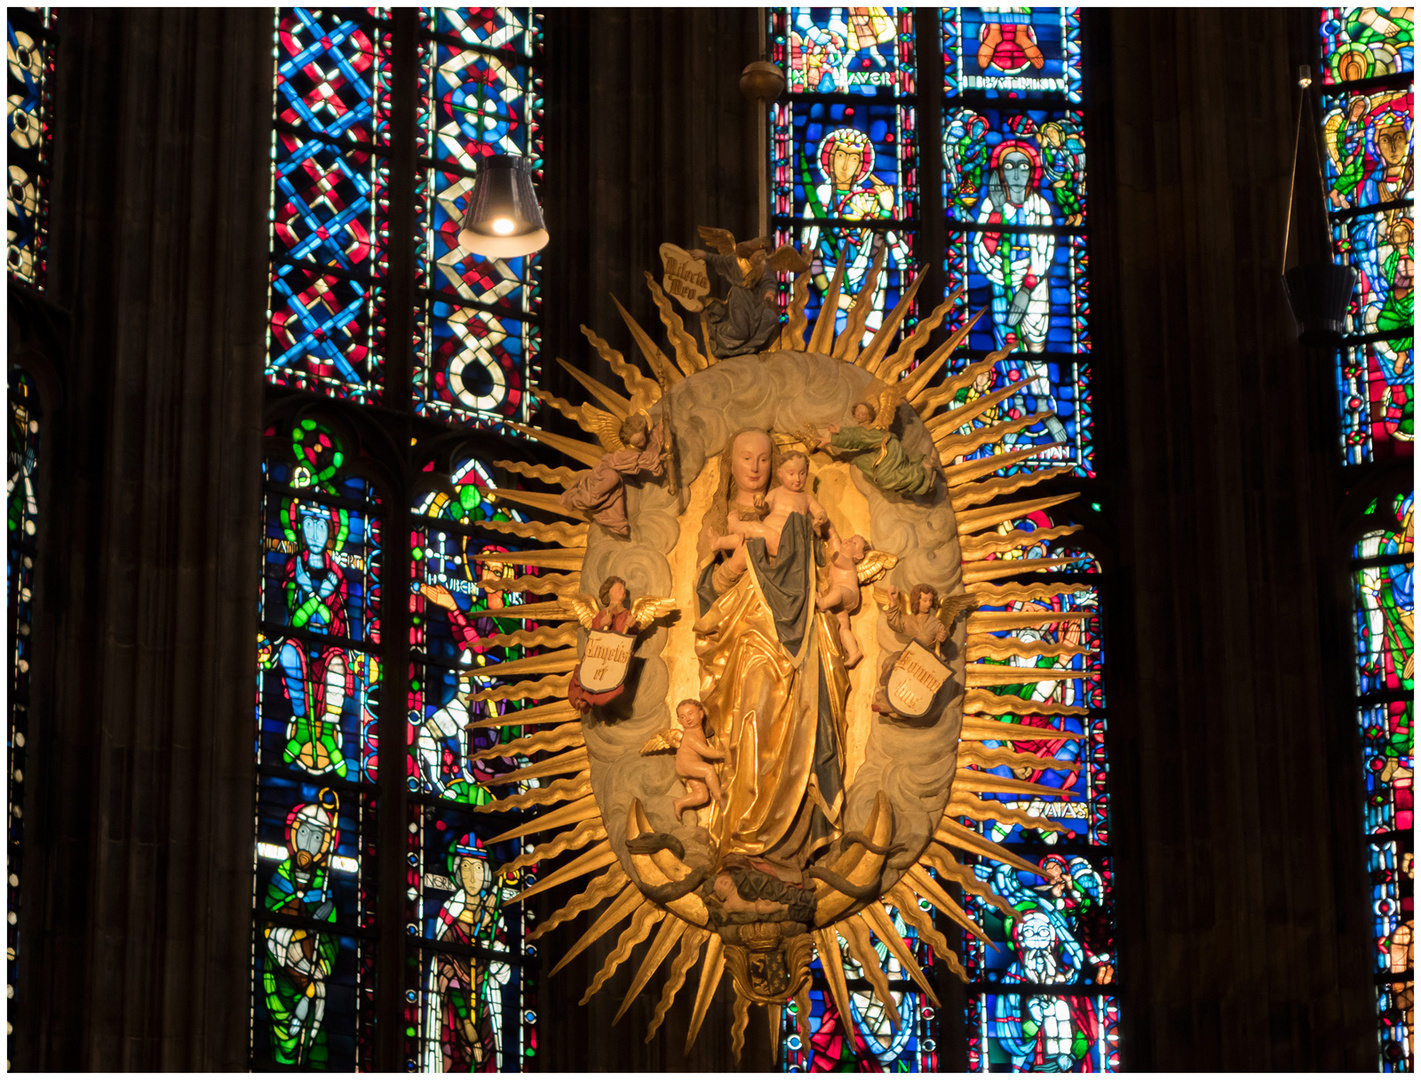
1364	43
1384	609
1012	52
22	522
336	215
29	48
481	94
317	706
844	148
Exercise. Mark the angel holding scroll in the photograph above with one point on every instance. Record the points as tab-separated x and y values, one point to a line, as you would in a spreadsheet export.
749	317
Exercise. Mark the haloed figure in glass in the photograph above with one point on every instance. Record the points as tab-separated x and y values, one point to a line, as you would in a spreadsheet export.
1017	264
298	961
462	1029
317	680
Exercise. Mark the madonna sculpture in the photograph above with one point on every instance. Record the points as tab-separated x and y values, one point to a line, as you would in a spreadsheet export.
797	809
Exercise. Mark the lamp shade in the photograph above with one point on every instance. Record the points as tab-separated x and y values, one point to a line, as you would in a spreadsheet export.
503	220
1318	295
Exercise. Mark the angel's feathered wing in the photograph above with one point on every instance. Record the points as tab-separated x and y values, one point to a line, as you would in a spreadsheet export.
875	564
581	606
664	741
785	260
605	426
955	607
886	398
722	241
647	609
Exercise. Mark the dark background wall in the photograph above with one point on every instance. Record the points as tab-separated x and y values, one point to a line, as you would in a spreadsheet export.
1243	935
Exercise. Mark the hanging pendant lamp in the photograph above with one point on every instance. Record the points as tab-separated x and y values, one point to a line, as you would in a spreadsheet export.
503	219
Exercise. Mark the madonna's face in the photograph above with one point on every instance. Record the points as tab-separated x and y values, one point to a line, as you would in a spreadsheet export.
750	462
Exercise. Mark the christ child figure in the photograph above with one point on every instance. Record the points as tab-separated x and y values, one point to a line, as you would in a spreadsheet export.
791	498
842	594
695	758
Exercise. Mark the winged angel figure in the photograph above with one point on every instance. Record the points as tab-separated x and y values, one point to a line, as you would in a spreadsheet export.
745	321
612	611
633	446
880	453
695	757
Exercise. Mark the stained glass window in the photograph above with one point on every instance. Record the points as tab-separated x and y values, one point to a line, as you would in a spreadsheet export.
29	49
1382	575
21	534
349	197
1367	111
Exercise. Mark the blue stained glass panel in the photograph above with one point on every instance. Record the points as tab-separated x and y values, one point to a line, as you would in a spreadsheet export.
1043	153
868	51
1388	745
1012	52
1043	1033
513	29
325	74
1034	285
1381	247
28	121
477	365
1367	139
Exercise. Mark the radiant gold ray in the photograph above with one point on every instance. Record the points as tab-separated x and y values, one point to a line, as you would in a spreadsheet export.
556	792
588	417
607	885
947	866
989	569
877	917
554	819
832	963
906	902
856	935
688	357
950	386
984	701
992	784
561	475
951	447
559	661
990	516
546	558
711	970
957	475
663	867
903	357
544	585
774	1014
822	339
846	344
588	862
539	500
872	358
974	547
984	623
963	804
552	532
545	637
966	495
667	373
615	404
587	453
1005	648
574	761
952	420
666	937
691	943
918	879
1010	675
977	728
584	833
644	392
558	738
993	595
994	757
552	686
792	337
858	864
917	386
627	901
540	714
547	611
741	1012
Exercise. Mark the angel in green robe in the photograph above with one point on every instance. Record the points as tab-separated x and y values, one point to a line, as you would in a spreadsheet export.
880	453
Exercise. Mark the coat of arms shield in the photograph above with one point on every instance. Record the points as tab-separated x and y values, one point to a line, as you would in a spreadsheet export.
914	681
604	663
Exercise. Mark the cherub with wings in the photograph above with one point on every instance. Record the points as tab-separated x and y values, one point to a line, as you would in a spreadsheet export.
927	620
852	564
633	446
745	321
695	757
613	610
881	456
